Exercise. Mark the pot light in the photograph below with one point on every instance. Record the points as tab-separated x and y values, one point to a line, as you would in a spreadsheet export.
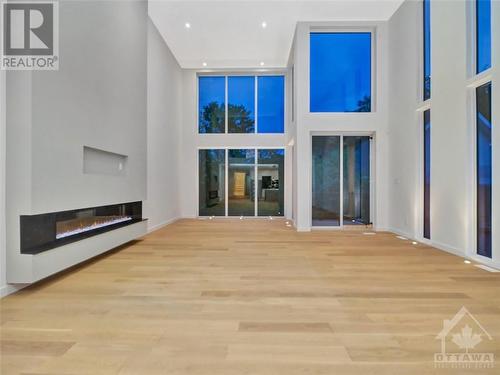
204	64
414	243
187	25
262	63
264	24
467	261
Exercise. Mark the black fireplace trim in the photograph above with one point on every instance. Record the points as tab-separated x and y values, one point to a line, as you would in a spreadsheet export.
38	232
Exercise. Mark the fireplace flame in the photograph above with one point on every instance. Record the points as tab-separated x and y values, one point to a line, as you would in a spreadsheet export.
81	225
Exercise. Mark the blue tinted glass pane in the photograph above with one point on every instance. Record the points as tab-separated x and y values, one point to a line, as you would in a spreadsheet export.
484	170
241	104
427	174
340	72
271	104
427	49
211	104
483	35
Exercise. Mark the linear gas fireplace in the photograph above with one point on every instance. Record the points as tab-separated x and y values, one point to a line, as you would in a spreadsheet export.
47	231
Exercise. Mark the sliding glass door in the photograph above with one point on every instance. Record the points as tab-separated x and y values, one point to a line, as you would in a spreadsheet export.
242	193
356	190
340	181
326	181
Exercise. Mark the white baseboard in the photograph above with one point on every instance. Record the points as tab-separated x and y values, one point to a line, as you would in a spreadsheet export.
445	247
163	224
11	288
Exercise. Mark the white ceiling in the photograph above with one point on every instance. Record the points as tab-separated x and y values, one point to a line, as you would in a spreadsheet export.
228	34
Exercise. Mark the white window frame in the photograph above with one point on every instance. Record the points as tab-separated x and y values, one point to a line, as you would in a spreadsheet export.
372	136
373	64
474	81
256	181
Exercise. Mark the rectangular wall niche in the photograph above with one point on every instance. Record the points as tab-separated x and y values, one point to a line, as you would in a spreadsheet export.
47	231
102	162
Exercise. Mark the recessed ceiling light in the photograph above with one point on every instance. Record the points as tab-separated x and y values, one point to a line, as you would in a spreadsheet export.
264	24
187	25
467	261
414	243
204	64
262	63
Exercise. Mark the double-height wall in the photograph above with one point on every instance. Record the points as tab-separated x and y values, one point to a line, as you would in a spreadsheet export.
444	119
339	124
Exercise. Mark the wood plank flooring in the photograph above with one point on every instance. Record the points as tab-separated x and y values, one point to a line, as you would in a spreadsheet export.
223	297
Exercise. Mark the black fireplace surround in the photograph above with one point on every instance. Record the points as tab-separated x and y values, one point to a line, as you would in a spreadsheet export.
48	231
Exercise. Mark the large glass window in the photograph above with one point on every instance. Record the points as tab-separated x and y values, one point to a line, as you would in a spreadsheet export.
484	169
212	182
211	104
356	193
242	186
427	48
427	174
241	104
241	180
271	99
483	35
326	181
340	72
271	175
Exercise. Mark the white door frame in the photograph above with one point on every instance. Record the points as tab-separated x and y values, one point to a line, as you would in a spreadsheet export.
341	172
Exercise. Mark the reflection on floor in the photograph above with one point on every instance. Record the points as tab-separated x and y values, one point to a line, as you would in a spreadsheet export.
231	297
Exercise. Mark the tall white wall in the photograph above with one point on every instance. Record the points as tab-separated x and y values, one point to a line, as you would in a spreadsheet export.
309	123
3	254
405	134
496	129
452	126
164	132
97	98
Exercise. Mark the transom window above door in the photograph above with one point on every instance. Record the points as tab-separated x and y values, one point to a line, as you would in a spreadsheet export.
241	104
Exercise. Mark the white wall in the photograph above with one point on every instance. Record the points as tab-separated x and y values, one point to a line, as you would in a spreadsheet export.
496	129
452	127
164	123
3	254
308	123
97	98
405	134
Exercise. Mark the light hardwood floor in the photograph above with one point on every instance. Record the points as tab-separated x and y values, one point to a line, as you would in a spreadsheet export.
221	297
